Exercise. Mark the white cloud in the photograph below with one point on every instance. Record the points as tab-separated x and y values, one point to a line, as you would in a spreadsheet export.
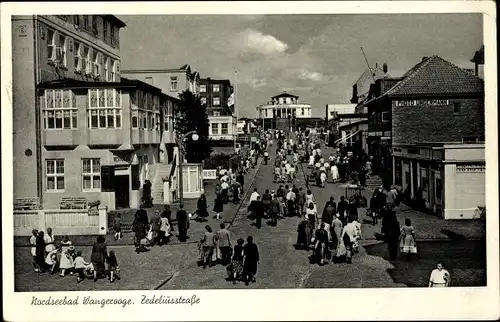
308	75
253	41
257	83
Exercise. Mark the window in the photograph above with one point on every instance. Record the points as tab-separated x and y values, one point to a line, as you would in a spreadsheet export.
116	71
60	111
113	40
216	101
76	21
54	175
216	113
216	88
91	174
215	128
104	108
61	51
51	45
456	108
203	88
145	111
385	116
173	83
203	100
439	188
78	56
105	30
95	30
86	22
303	111
97	62
87	60
224	128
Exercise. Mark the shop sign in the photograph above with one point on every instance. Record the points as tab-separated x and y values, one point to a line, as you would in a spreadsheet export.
471	168
421	102
210	174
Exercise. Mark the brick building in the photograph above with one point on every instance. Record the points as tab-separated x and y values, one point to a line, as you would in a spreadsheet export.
431	121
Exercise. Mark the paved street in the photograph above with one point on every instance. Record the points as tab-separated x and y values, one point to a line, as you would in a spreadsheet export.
175	266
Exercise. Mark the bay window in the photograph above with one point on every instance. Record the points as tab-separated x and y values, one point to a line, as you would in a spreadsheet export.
60	110
104	108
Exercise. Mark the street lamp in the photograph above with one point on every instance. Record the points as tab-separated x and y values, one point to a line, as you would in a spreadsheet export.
180	141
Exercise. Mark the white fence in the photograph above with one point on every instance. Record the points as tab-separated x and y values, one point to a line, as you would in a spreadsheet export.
62	221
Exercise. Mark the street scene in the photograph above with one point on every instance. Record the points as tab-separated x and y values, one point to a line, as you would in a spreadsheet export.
243	152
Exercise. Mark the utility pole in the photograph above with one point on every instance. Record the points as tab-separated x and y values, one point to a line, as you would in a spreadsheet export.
366	60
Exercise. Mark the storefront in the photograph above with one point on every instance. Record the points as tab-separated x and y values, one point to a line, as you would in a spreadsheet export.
447	179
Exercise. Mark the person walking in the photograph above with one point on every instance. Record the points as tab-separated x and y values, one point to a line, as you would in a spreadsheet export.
98	257
155	227
345	247
258	209
224	240
201	208
250	260
66	261
235	270
33	238
327	217
407	243
290	203
208	245
274	210
440	277
140	226
266	202
218	206
321	246
300	201
392	235
342	207
165	229
337	231
182	223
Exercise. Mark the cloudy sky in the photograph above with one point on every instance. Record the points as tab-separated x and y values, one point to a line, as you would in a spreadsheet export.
316	57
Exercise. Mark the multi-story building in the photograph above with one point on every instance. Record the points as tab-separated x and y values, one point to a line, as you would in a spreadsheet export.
54	48
93	134
432	124
216	95
282	108
171	81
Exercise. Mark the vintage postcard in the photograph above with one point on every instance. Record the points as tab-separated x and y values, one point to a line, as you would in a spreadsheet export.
329	160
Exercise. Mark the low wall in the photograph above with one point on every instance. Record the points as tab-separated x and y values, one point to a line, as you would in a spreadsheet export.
62	221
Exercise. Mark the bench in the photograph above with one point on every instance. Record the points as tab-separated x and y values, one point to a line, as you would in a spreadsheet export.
73	203
27	203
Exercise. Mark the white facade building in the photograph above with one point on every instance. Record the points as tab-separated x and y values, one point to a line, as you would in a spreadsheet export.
283	105
339	109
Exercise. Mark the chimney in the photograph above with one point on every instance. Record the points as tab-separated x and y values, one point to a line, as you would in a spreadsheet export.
384	67
424	58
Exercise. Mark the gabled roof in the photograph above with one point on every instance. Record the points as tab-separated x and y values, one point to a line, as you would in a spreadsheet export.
436	76
285	94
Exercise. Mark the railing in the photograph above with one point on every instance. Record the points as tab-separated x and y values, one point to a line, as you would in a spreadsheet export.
62	221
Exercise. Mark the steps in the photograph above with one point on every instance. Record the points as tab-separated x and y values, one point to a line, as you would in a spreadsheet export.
162	171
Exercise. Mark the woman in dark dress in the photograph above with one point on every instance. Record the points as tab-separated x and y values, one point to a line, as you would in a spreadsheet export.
40	251
98	257
218	206
140	226
250	260
235	270
201	210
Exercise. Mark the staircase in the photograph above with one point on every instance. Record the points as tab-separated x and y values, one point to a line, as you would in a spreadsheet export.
162	171
373	183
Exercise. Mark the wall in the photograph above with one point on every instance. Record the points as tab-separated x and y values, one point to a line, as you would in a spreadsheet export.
24	107
161	80
425	123
230	120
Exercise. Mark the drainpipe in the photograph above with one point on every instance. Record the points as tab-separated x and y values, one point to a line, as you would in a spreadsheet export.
38	130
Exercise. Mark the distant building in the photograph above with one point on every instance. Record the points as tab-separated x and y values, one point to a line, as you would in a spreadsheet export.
478	61
339	109
215	94
171	81
282	108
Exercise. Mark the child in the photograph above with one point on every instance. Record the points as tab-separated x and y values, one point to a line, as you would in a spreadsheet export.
113	268
66	261
80	267
33	249
355	244
117	226
51	260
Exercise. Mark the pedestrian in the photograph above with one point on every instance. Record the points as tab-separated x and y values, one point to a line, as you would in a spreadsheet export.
309	197
321	245
165	229
34	234
80	266
235	187
113	269
348	235
140	226
266	202
155	226
440	277
407	243
40	251
258	209
274	210
341	209
253	198
327	217
98	257
290	202
241	179
335	173
311	216
224	240
250	260
337	227
235	269
208	244
218	206
117	226
300	201
66	261
182	223
201	208
49	239
392	236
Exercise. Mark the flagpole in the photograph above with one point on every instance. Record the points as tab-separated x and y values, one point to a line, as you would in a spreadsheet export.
235	105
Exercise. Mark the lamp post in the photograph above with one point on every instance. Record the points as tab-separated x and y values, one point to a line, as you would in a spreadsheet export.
180	141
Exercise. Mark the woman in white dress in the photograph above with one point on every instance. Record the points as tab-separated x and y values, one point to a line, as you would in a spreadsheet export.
335	173
66	261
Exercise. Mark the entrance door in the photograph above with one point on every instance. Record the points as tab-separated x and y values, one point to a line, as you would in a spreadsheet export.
122	192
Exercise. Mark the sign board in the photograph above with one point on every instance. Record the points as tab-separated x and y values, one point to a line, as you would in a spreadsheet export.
210	174
421	102
471	168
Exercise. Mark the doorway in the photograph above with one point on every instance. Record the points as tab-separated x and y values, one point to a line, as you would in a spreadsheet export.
122	191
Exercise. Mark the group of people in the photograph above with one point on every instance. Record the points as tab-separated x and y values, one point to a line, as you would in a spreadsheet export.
241	260
50	256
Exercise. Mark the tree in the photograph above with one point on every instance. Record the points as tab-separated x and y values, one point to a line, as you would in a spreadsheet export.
192	115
